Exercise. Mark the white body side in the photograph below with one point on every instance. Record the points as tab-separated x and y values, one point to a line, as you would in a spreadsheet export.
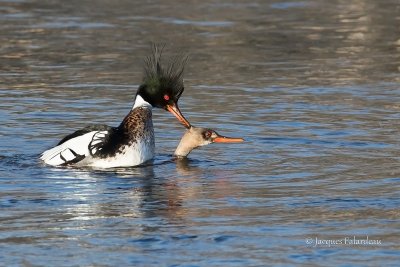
133	155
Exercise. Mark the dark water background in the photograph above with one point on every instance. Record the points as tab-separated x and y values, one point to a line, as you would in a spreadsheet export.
313	86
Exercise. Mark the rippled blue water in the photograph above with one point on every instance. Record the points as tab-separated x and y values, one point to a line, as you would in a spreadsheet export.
312	86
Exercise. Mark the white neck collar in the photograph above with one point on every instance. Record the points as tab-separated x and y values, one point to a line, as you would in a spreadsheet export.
140	102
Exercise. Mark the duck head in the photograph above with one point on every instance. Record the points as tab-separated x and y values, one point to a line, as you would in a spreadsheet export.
195	137
162	85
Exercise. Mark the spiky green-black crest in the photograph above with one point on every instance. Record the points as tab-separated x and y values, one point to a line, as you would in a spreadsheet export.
162	83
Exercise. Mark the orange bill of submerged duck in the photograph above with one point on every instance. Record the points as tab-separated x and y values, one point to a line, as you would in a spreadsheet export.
225	139
173	108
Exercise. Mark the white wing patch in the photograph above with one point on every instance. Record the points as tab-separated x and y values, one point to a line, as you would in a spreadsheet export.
71	151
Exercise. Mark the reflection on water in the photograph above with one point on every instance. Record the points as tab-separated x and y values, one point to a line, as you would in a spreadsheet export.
311	85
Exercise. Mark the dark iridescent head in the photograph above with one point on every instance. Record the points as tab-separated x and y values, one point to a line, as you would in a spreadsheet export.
163	84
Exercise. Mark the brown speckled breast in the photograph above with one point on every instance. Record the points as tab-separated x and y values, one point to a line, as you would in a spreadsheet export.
137	123
136	126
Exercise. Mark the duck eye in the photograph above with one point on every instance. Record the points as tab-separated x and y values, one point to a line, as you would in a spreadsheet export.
166	97
207	134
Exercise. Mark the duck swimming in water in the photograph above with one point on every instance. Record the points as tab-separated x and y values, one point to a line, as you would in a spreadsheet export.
132	142
195	137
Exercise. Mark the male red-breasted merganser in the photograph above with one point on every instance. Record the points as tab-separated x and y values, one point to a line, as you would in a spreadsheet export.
195	137
132	142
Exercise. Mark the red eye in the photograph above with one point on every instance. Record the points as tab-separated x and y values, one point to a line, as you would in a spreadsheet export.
208	134
166	97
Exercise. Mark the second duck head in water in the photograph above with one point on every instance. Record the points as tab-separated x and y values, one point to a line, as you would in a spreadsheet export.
195	137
